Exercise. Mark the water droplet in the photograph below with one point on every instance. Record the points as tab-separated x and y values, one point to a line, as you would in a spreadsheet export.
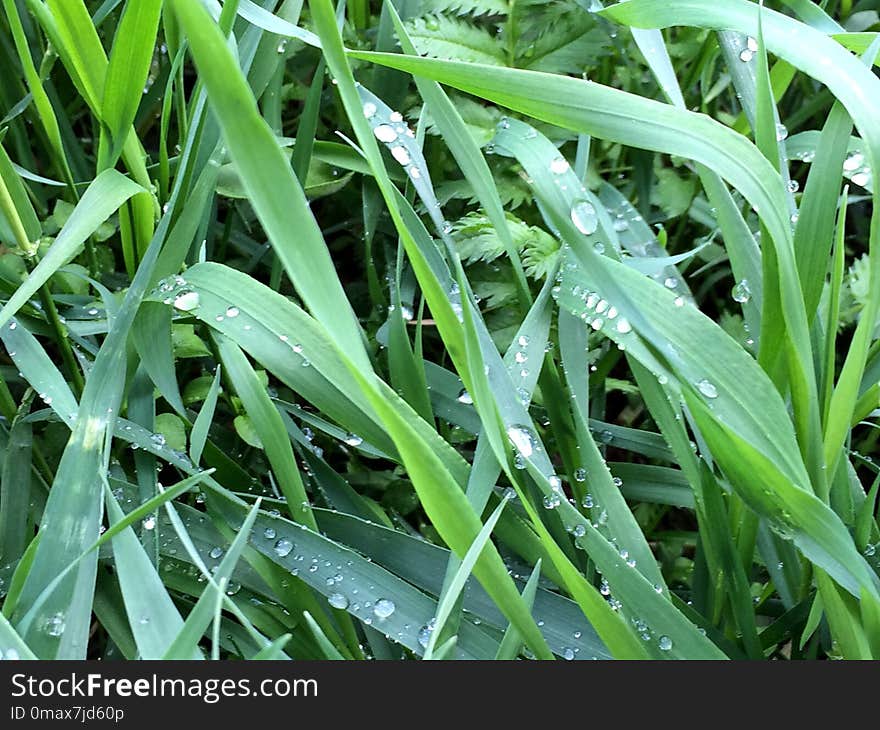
623	326
216	553
369	110
870	550
55	624
559	165
741	292
580	475
385	133
793	186
746	55
396	117
424	636
187	301
232	312
353	439
283	547
584	217
465	397
621	224
149	523
664	643
399	153
568	653
670	282
384	608
707	389
752	44
269	533
588	502
552	501
781	132
337	600
523	439
853	162
862	179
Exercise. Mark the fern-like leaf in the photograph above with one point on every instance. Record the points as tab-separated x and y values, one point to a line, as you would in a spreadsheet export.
477	240
566	40
442	36
466	7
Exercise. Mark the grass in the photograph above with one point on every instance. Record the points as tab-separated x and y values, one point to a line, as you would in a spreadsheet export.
440	330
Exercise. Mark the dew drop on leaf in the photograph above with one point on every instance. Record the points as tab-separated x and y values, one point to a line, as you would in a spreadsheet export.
385	133
741	292
707	388
384	608
283	547
584	217
186	301
523	439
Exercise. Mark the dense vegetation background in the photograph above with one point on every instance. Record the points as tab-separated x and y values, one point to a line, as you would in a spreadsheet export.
572	354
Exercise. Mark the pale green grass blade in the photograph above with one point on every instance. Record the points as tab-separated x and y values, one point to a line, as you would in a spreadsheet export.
185	644
266	20
453	591
269	428
199	434
511	644
330	651
153	618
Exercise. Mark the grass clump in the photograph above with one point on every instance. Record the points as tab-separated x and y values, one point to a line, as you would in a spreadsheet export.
447	330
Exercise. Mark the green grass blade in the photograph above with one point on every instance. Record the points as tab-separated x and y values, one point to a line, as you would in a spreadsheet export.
127	71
